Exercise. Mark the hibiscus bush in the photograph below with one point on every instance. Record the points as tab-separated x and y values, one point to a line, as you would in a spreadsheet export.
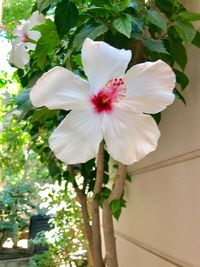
113	114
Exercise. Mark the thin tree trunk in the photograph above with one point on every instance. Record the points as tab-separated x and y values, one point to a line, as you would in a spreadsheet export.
82	198
137	48
96	228
108	227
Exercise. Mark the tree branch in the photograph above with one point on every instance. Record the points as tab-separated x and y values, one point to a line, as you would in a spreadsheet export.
82	198
119	184
108	227
137	49
96	230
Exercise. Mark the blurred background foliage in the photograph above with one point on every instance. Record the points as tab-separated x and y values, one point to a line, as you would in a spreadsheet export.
16	10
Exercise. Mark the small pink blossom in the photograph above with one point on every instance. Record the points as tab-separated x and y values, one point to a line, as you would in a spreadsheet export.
24	34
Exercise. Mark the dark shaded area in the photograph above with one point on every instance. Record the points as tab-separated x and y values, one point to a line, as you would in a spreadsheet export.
14	253
38	223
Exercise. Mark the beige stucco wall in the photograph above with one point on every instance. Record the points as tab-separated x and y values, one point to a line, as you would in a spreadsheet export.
161	225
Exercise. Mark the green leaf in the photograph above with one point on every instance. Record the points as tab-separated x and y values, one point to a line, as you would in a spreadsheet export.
178	52
42	4
54	169
115	166
151	44
181	78
128	177
43	114
123	24
196	40
153	17
106	167
23	100
87	168
137	6
98	11
47	43
92	31
165	6
185	30
66	17
172	33
104	194
157	117
124	5
69	177
116	207
189	16
179	96
101	2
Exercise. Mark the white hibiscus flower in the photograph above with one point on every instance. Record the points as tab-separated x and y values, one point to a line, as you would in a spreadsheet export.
19	54
112	105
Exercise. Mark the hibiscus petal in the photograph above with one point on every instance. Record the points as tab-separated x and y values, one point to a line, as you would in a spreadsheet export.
36	19
30	46
103	62
149	87
77	138
19	56
35	36
129	136
60	88
19	30
25	25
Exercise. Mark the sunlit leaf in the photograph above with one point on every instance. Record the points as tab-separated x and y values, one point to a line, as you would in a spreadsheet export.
155	18
185	30
189	16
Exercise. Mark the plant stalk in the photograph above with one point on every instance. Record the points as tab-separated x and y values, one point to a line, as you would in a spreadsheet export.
108	226
96	228
82	198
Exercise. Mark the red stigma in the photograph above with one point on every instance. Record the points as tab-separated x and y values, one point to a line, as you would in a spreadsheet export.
101	102
113	91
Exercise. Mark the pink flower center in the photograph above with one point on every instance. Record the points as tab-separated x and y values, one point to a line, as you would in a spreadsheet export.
24	38
113	91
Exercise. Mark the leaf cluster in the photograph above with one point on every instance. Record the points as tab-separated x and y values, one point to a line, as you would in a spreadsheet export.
152	30
65	239
16	207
